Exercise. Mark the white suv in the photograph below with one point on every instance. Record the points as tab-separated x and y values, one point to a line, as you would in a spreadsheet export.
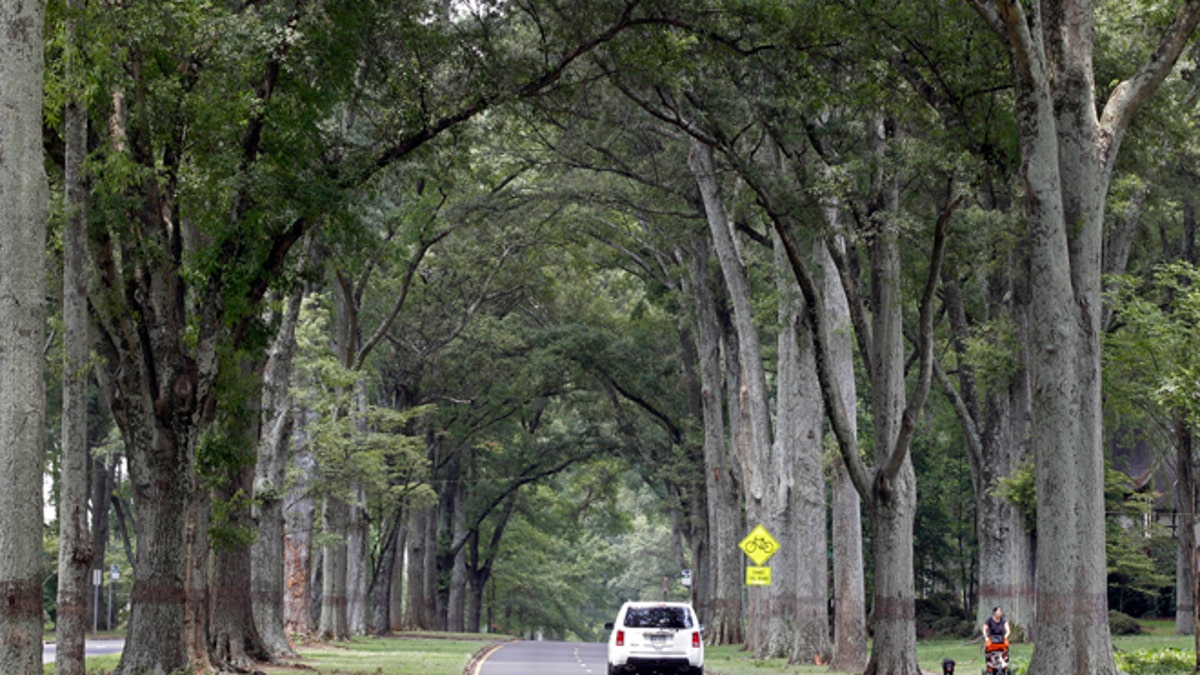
655	637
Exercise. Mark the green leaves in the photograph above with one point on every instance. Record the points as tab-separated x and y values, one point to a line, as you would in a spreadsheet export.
356	445
1150	361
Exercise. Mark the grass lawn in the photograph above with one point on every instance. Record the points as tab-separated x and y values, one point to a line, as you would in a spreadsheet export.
968	656
449	654
404	654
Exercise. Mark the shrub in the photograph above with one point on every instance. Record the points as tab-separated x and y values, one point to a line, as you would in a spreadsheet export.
940	616
1155	661
1122	624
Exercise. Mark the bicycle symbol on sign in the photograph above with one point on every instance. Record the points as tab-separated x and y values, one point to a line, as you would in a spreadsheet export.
759	545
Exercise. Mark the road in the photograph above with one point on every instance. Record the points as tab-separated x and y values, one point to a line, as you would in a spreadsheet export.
92	647
545	658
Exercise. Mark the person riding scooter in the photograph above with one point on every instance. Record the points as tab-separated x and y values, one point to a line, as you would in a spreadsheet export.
995	642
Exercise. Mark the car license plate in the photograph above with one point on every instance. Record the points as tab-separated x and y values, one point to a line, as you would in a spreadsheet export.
658	640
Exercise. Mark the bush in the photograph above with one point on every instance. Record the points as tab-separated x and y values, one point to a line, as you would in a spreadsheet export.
1154	661
953	627
1122	624
939	616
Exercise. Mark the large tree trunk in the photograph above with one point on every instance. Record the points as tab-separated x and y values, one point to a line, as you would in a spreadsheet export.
101	496
75	545
479	581
752	444
1185	497
397	577
893	500
800	596
23	207
849	585
157	386
996	429
196	583
267	587
161	475
722	613
456	503
850	637
421	613
889	486
335	624
382	584
233	635
892	607
299	518
1068	151
1065	197
358	564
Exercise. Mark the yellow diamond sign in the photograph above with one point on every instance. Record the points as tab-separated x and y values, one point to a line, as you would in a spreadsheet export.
759	545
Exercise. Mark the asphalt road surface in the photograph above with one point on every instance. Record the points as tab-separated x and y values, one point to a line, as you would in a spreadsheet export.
92	648
546	658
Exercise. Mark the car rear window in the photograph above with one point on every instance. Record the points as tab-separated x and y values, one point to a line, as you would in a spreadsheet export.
657	617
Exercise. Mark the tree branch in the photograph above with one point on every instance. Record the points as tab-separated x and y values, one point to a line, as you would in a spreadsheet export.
908	421
1132	93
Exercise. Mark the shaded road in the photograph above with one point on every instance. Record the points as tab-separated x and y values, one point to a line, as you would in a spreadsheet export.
546	658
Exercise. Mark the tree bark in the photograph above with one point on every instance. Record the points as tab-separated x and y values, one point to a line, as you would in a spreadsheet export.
382	585
158	383
849	585
1185	497
753	441
335	624
893	499
196	587
723	611
421	612
161	472
800	596
399	565
75	545
233	636
456	603
267	583
299	517
23	209
358	564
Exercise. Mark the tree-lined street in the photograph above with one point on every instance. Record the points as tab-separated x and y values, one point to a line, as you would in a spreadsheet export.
331	319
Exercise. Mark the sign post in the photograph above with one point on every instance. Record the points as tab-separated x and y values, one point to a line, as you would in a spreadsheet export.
114	574
759	546
97	576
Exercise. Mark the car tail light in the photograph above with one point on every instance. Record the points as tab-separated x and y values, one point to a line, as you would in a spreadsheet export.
695	639
620	638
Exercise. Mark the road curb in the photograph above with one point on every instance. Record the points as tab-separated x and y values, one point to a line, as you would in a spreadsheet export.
481	656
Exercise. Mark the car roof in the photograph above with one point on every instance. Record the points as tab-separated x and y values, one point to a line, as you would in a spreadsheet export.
652	603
